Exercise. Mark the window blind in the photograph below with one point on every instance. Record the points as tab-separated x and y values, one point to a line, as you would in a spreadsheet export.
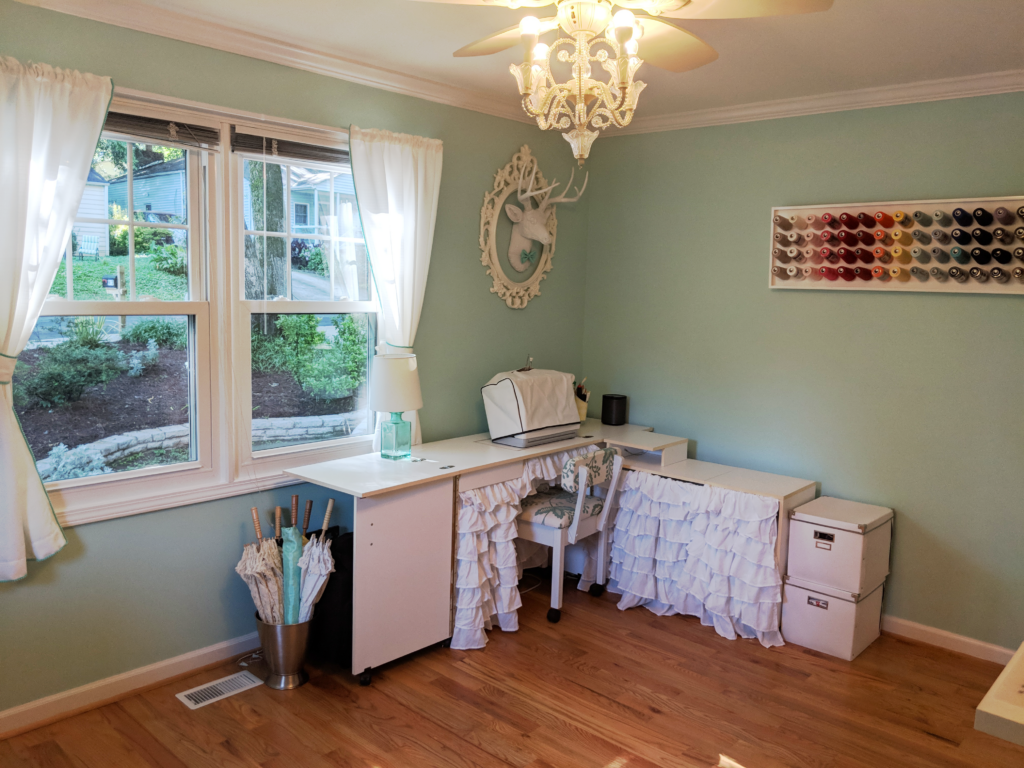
162	131
290	150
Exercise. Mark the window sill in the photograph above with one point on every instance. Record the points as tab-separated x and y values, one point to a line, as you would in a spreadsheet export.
112	498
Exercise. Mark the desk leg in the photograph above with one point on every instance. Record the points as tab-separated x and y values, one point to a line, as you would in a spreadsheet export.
401	581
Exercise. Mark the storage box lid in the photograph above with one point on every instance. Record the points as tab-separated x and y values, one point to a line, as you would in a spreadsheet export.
842	514
822	589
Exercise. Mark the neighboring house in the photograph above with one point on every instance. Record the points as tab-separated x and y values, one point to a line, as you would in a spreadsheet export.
159	189
93	206
311	201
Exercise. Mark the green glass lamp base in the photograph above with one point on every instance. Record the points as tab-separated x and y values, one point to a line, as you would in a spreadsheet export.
396	438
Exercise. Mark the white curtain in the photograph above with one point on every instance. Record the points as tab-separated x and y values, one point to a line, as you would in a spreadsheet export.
50	121
397	180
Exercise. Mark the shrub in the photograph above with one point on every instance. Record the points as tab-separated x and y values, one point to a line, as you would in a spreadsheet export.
69	369
87	331
138	362
172	259
315	262
148	240
67	464
167	334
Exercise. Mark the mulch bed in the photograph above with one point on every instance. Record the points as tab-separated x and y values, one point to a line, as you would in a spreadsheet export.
278	394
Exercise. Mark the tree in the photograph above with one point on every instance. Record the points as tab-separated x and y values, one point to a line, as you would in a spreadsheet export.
116	154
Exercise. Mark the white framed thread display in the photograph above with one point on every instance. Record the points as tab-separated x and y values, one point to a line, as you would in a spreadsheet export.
938	246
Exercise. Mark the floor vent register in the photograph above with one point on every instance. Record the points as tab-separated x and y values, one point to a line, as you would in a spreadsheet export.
218	689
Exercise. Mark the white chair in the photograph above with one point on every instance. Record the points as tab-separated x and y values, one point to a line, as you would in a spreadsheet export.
570	514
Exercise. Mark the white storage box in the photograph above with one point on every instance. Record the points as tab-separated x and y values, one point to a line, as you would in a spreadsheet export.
530	407
840	544
830	620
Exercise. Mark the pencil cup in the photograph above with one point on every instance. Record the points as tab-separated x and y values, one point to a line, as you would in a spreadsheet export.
284	648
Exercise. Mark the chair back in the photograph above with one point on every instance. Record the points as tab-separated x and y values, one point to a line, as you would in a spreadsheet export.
599	469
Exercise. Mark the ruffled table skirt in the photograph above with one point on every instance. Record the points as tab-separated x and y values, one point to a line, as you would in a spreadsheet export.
698	551
487	573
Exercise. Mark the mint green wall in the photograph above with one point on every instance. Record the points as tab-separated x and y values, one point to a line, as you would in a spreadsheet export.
131	592
915	402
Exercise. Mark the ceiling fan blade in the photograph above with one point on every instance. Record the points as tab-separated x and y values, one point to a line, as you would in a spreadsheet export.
746	9
502	40
666	46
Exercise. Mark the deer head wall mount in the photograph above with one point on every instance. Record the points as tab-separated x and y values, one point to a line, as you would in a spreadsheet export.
534	226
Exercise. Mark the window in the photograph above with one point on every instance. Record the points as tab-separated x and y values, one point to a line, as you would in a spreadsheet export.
306	289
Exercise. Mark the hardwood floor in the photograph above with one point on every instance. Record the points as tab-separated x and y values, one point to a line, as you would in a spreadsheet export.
600	689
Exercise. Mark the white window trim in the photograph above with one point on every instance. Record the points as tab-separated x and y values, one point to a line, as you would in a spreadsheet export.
226	466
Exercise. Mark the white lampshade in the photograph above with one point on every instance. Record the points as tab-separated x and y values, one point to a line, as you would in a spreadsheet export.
395	384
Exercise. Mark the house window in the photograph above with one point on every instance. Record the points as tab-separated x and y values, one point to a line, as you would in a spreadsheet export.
306	288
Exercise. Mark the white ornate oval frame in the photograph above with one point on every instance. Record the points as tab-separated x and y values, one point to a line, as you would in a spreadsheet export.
506	181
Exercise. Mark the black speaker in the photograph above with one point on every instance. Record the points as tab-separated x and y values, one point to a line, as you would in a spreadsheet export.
613	410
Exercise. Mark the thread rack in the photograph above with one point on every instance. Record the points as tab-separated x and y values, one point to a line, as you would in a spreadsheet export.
937	246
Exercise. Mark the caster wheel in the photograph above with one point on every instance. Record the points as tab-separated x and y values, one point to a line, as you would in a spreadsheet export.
596	590
446	643
554	615
364	679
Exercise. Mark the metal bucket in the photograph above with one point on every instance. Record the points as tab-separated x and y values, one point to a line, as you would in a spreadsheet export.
284	649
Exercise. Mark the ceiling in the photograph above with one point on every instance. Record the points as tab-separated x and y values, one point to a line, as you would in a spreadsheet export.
859	44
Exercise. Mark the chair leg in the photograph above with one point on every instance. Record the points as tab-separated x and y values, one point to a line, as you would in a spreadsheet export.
557	578
597	588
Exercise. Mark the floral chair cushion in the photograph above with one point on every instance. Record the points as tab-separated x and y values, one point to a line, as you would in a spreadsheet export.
599	466
556	509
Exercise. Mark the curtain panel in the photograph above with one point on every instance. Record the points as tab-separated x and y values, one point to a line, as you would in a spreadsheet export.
397	179
50	122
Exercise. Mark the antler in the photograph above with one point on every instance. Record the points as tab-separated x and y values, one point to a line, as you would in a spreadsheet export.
524	199
562	198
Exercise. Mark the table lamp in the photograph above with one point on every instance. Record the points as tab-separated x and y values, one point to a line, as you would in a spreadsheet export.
395	389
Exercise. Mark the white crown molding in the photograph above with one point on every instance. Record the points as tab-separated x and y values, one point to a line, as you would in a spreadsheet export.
189	29
40	712
865	98
968	646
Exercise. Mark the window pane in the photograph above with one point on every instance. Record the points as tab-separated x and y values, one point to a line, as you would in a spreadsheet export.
161	264
159	184
265	268
94	397
99	262
309	378
263	198
345	207
311	194
311	270
106	191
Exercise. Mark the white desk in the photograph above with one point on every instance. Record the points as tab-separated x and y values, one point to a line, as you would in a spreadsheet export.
405	513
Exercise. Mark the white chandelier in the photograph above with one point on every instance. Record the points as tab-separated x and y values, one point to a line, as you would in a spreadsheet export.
582	105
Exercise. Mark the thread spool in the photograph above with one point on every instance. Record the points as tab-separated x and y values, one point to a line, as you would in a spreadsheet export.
866	220
862	272
920	273
960	275
1018	274
810	273
942	218
863	255
1018	253
939	255
940	236
983	236
795	238
830	220
961	236
959	255
902	255
811	238
979	274
781	239
902	237
810	254
885	219
814	222
882	255
829	273
883	237
1019	233
780	273
899	274
962	217
1020	212
1002	255
782	222
829	255
792	253
866	238
880	273
779	254
939	274
798	222
921	236
846	273
1000	275
1004	216
795	272
981	255
902	219
800	258
821	255
849	220
828	236
922	218
1004	236
983	217
847	238
921	256
847	255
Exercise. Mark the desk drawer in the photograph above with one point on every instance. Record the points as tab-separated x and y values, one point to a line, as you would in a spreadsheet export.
490	476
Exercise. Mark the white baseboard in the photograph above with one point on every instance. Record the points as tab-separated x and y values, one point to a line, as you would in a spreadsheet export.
948	640
42	711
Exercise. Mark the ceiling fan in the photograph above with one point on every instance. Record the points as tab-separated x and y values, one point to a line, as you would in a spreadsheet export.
592	32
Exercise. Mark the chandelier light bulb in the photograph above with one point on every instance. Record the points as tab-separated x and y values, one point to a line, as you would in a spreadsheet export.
540	52
632	47
530	25
623	19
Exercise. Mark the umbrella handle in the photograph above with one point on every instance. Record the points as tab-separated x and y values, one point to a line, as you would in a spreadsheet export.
295	510
256	523
327	517
277	522
305	520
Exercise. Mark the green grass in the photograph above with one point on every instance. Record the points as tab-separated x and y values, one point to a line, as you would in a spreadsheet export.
156	457
149	281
